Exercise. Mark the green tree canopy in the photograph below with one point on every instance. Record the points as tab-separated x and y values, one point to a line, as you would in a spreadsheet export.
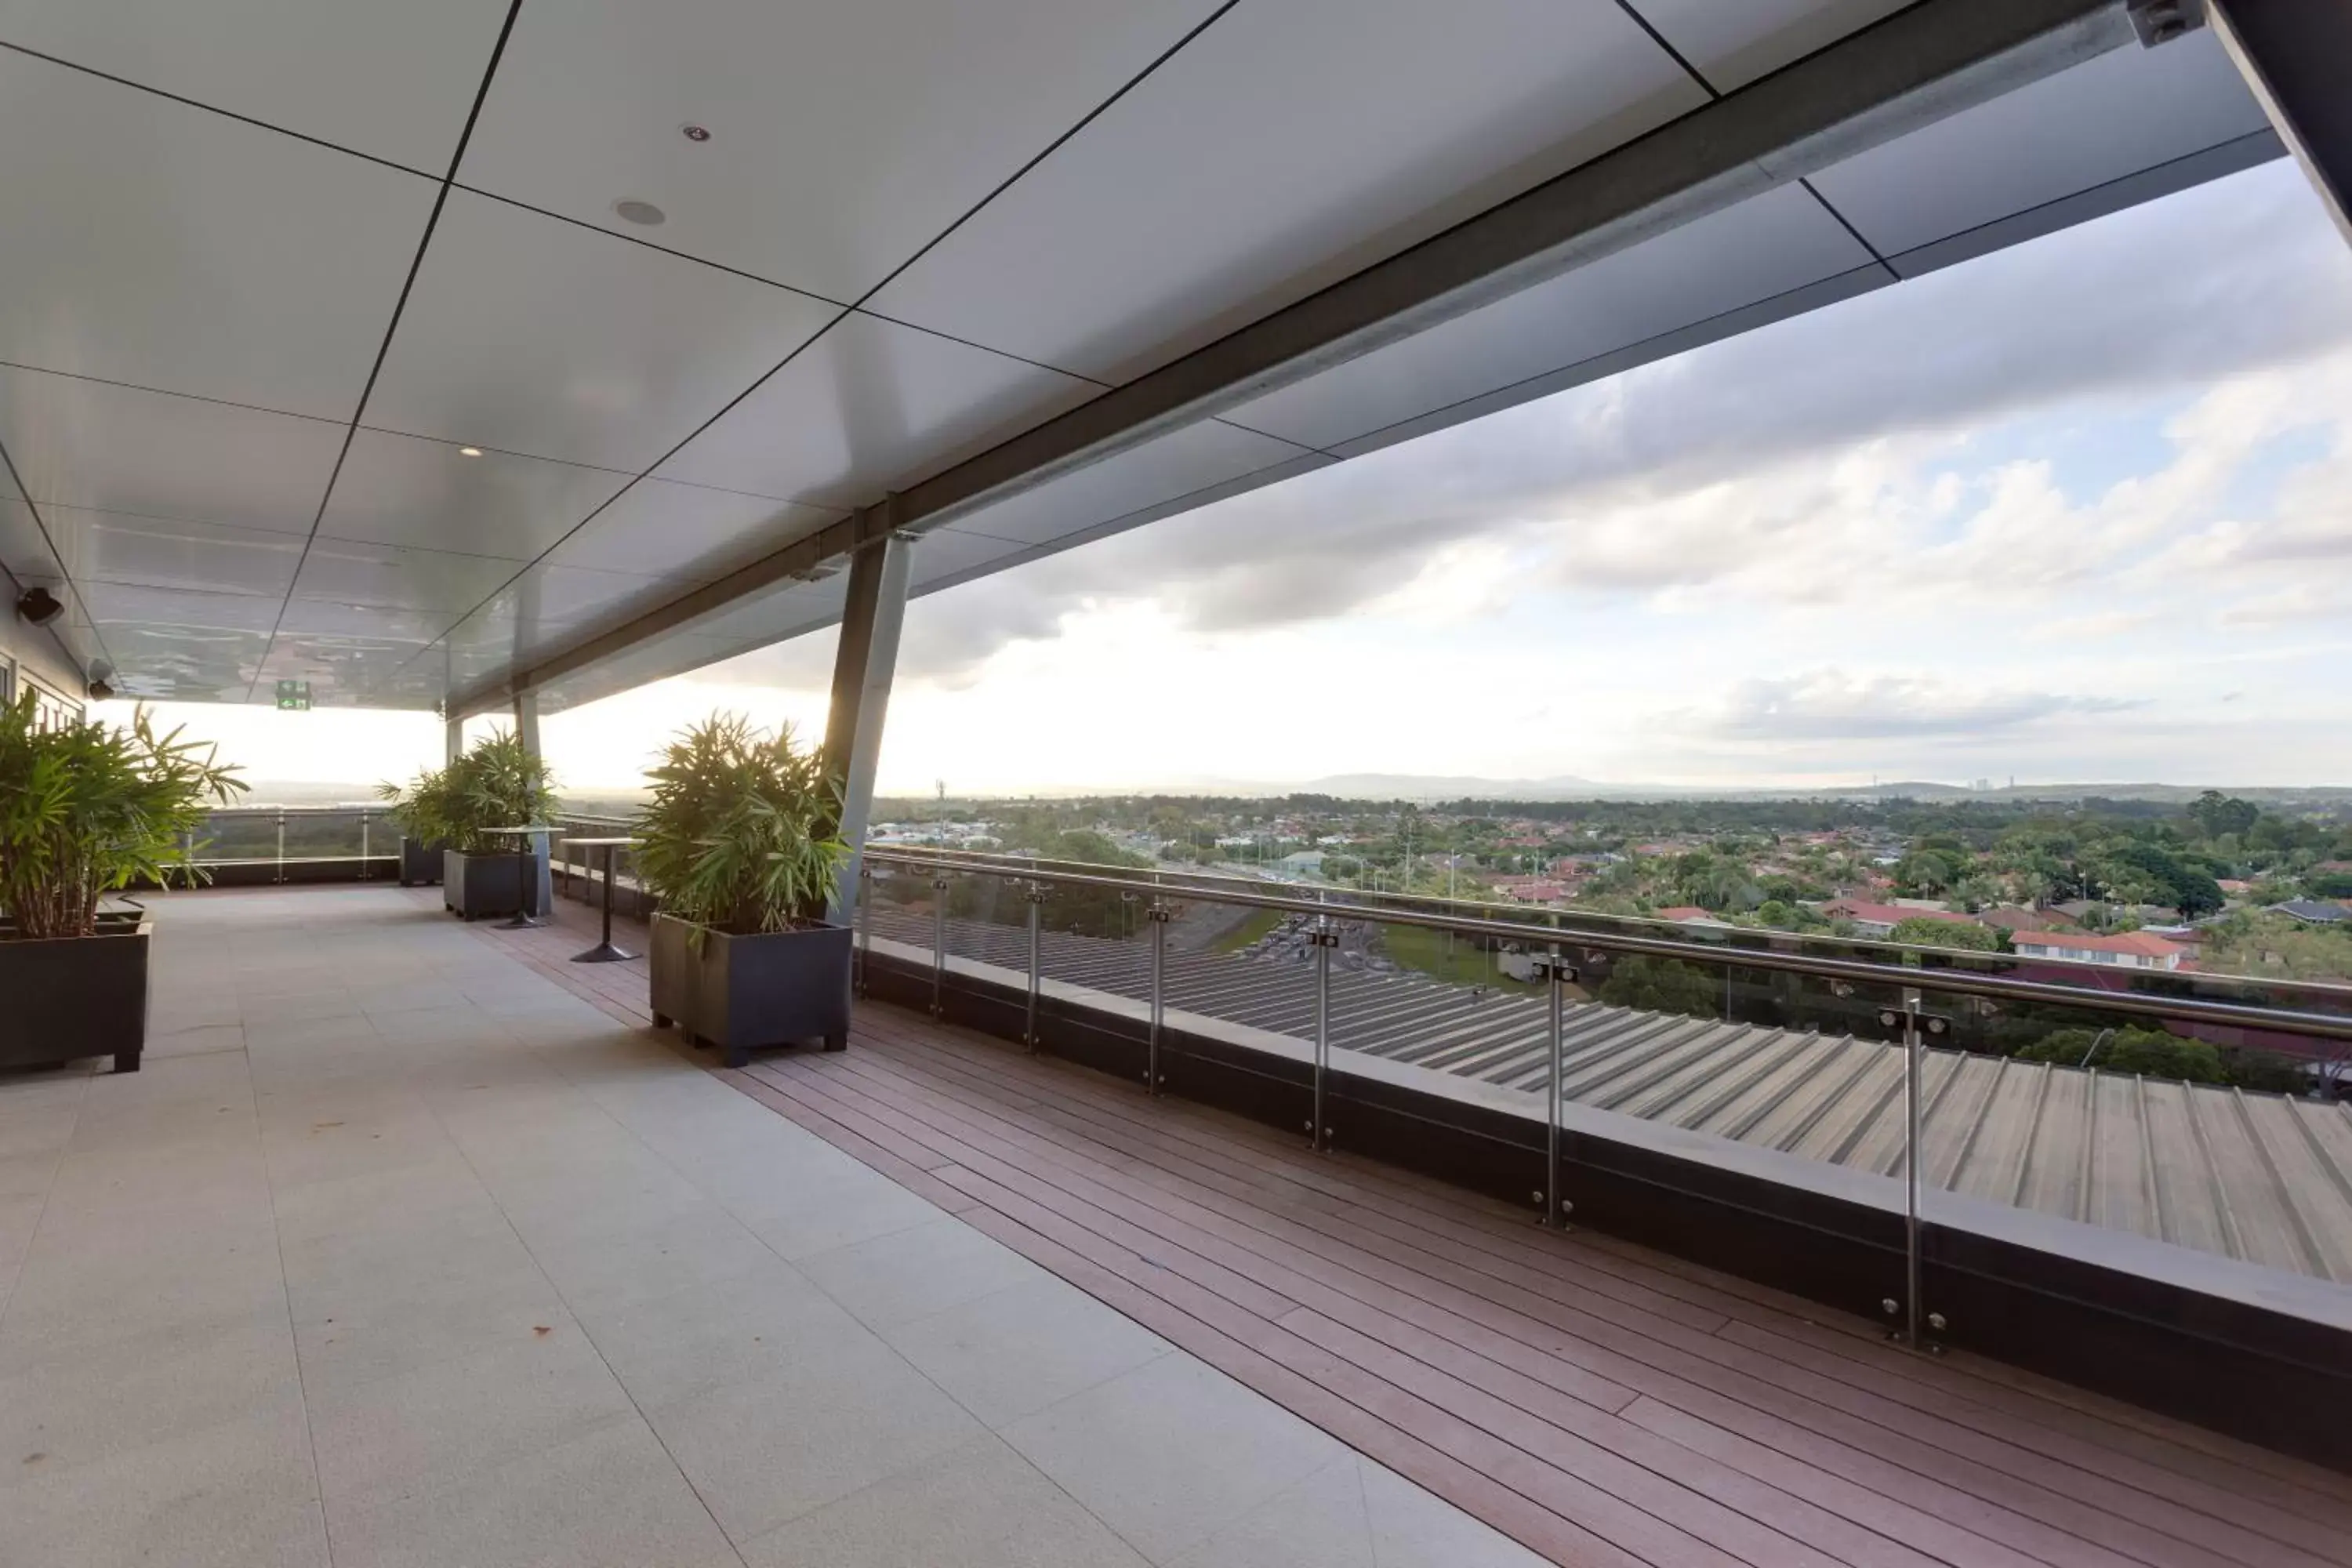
1920	930
2216	813
2152	1052
1663	985
1923	873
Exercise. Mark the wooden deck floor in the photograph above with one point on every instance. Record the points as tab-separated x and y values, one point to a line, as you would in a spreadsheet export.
1600	1402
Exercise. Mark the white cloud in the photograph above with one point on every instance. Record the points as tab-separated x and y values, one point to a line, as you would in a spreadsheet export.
1663	475
1833	705
2009	518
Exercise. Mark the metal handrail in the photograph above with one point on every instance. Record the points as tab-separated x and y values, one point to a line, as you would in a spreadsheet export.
1912	1027
1731	935
1955	982
355	808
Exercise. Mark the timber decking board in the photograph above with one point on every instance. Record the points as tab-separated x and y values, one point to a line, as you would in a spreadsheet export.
1601	1403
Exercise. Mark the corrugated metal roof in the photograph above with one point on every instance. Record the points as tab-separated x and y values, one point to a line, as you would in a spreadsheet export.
2265	1178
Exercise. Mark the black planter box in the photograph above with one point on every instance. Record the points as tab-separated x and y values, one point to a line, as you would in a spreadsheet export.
420	864
771	988
68	997
474	886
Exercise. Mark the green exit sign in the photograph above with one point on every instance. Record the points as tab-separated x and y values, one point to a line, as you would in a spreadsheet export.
293	696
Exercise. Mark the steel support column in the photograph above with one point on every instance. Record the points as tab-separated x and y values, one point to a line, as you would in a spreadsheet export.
2297	57
454	746
526	720
863	664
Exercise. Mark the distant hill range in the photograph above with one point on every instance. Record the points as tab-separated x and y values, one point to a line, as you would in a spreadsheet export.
1440	786
1425	787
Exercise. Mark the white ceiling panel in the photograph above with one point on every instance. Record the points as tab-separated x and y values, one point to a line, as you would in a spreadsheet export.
1286	148
341	669
531	334
321	617
946	553
120	601
778	612
337	569
24	549
153	243
390	80
502	636
676	654
844	138
1733	42
405	490
2109	117
1766	245
868	406
117	449
185	663
419	685
25	554
687	534
163	552
1197	457
547	592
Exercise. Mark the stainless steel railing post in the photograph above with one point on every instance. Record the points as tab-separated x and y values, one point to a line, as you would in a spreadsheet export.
1914	1027
282	845
1035	896
1553	970
363	846
1911	1306
1325	937
864	926
1552	982
938	946
1158	915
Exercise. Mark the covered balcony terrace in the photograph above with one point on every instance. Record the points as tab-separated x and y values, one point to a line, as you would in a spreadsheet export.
414	1241
493	359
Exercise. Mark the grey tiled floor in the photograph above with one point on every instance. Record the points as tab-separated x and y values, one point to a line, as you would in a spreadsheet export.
397	1253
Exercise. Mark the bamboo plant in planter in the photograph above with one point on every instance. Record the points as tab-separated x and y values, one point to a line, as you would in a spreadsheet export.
421	812
498	784
86	809
740	845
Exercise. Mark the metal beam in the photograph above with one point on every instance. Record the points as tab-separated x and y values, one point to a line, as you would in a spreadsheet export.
863	666
804	558
2297	57
1927	61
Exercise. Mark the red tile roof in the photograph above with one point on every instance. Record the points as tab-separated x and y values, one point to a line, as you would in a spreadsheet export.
1891	914
2145	943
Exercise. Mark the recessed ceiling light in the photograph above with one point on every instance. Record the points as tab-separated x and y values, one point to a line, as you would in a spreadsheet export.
469	451
694	132
639	212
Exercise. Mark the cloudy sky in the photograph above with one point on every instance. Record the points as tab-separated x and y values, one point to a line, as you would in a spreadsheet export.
2080	510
